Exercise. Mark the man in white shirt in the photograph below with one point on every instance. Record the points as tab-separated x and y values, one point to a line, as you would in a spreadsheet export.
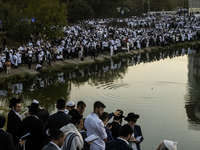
95	126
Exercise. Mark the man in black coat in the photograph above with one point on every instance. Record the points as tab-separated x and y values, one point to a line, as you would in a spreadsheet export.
6	140
14	119
116	124
33	125
41	113
57	120
80	109
57	140
122	141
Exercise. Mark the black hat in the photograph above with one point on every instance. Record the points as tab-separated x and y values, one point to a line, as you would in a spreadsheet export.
77	117
35	102
120	116
13	102
131	116
33	107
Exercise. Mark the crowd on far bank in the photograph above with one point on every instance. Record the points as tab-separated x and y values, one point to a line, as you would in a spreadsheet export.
105	36
68	130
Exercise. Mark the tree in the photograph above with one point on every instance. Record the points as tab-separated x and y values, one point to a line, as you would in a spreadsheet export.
105	8
79	10
13	22
50	16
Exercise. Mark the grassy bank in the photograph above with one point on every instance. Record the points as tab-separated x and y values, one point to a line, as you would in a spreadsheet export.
68	67
15	77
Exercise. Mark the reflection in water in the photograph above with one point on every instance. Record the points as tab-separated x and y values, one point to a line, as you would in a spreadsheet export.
193	96
50	87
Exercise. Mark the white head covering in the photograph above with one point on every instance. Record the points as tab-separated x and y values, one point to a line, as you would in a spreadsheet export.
170	144
70	104
35	101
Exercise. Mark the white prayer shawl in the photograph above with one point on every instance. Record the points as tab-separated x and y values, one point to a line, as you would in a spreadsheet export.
40	58
3	58
15	60
111	50
19	58
80	53
70	130
11	58
128	46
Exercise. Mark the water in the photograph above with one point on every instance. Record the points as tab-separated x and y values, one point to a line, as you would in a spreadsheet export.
163	88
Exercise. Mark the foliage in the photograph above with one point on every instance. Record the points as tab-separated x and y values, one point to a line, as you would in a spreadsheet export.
13	22
114	8
79	10
50	16
105	8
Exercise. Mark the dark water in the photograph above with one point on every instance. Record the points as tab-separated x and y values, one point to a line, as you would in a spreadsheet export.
163	88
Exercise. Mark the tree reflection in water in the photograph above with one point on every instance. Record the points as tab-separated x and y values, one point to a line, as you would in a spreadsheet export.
48	88
193	96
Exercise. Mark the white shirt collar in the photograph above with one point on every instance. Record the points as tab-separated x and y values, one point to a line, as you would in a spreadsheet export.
123	140
17	114
34	116
66	111
93	114
58	148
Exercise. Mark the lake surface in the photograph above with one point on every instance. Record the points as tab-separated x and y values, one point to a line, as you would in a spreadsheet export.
163	88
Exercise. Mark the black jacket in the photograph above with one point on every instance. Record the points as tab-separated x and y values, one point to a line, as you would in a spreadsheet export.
43	115
115	129
13	126
57	121
117	144
34	126
6	141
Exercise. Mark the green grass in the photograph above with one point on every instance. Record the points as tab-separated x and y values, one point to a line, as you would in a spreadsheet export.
154	50
84	64
15	77
181	45
128	55
97	61
115	57
106	58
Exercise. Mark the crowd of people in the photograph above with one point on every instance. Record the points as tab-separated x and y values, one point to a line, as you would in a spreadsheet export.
67	130
95	69
106	36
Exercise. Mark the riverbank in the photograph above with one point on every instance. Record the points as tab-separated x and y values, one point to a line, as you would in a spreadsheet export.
23	72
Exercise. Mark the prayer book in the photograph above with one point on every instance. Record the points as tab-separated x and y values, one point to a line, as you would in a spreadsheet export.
91	138
25	137
137	139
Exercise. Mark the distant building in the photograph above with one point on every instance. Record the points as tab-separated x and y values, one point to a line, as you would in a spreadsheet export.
194	5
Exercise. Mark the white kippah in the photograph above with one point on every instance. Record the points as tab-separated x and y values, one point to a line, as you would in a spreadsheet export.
170	144
35	101
70	104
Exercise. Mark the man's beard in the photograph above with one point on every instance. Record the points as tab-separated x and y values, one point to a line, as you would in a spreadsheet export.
79	128
98	113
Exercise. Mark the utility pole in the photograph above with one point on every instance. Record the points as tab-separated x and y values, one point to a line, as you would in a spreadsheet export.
142	6
149	6
191	2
